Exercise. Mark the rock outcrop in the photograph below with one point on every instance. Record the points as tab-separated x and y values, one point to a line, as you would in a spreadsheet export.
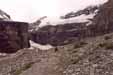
13	36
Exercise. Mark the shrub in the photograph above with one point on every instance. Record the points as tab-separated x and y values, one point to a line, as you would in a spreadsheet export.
80	44
107	37
83	43
106	45
77	46
109	46
19	71
102	45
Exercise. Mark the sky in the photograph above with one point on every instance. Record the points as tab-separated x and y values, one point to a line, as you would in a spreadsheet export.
31	10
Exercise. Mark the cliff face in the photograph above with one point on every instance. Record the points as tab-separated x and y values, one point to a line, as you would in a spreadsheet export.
102	23
13	36
57	35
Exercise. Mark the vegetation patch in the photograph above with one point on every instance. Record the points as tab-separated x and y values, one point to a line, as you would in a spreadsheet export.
107	37
19	71
106	45
75	60
81	44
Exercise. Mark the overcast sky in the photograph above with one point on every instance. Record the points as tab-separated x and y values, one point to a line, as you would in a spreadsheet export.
30	10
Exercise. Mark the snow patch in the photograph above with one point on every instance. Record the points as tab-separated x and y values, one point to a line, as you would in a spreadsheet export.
3	54
39	46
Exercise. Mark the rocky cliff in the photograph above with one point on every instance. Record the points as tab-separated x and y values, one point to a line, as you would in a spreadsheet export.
57	35
13	36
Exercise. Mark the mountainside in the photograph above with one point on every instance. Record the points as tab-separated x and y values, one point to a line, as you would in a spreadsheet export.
61	34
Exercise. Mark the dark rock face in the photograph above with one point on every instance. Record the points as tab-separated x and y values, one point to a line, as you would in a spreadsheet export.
102	23
13	36
57	35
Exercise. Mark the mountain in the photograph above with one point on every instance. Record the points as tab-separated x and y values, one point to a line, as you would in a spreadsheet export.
4	16
88	10
65	33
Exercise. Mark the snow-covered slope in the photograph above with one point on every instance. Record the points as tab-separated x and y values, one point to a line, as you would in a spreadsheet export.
80	16
79	19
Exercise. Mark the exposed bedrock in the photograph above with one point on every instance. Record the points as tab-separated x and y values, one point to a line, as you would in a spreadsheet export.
13	36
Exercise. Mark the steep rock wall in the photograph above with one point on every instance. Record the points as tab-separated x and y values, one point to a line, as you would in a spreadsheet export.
13	36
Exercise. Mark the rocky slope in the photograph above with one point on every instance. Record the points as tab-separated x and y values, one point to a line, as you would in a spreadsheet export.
90	56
